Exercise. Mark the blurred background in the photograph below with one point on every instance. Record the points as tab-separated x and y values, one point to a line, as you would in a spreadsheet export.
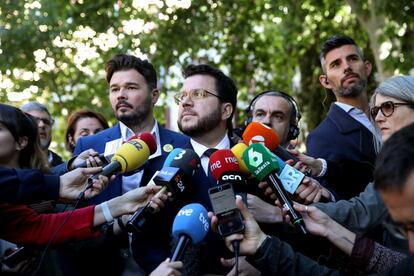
54	52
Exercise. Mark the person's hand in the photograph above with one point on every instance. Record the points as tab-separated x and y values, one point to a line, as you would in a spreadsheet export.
74	182
245	268
167	268
267	190
137	198
316	221
262	211
90	156
308	191
252	237
307	163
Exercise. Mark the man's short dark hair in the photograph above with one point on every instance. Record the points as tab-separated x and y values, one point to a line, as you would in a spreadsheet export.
226	88
335	42
395	163
122	62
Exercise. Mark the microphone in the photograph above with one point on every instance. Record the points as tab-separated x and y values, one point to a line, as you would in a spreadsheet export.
129	157
225	169
256	132
190	226
263	165
238	151
106	157
173	177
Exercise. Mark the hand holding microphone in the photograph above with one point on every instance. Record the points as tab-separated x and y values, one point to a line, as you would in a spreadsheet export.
263	165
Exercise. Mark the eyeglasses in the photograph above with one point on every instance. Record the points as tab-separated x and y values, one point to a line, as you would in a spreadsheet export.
194	95
387	108
398	230
44	120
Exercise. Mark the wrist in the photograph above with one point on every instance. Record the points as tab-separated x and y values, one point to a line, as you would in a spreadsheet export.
260	241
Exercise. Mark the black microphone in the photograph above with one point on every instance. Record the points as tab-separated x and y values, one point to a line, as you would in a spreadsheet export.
105	160
263	165
283	154
173	177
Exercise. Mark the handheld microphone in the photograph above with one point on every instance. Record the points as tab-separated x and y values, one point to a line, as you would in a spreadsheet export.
106	157
238	151
263	165
129	157
190	226
173	177
259	133
225	169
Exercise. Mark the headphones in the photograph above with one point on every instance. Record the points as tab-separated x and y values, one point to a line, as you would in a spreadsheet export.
295	116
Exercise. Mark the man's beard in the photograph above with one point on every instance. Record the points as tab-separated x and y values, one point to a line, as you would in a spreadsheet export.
138	116
353	90
203	126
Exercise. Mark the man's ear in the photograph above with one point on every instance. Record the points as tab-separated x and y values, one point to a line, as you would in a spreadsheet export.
155	94
368	67
22	143
323	79
227	110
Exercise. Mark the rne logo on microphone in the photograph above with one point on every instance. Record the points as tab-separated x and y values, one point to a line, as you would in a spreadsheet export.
186	212
257	139
215	165
204	221
231	160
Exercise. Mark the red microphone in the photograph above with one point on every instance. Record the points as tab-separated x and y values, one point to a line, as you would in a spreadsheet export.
222	161
257	132
225	169
149	139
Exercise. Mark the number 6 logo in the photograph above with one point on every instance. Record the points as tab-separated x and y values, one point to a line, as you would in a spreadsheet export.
255	158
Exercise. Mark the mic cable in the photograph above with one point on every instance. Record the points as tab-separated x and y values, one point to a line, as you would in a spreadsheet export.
236	249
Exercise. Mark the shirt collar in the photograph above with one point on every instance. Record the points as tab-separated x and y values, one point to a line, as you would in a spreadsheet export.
200	149
127	133
346	107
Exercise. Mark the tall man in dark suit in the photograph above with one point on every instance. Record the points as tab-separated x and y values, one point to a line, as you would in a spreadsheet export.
346	133
132	93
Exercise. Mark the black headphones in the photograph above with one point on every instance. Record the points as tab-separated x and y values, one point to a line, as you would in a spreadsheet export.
295	116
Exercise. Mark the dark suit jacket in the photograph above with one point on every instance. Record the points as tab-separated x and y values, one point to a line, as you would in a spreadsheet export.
342	138
199	259
106	251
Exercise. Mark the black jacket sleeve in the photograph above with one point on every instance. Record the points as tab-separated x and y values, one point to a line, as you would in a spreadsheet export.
276	257
24	185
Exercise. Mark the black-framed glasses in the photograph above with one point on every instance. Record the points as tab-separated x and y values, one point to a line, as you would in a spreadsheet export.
387	108
194	95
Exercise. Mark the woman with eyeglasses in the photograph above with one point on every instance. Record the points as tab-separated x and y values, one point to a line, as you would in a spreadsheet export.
392	108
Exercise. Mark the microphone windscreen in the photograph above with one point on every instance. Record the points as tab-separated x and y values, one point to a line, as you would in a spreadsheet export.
238	151
131	155
191	220
171	156
222	161
187	160
256	132
260	161
149	139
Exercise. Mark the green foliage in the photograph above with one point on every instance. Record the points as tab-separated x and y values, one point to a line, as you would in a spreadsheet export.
55	51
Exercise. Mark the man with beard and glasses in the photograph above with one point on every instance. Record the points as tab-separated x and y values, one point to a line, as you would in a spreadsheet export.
132	93
346	134
207	102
